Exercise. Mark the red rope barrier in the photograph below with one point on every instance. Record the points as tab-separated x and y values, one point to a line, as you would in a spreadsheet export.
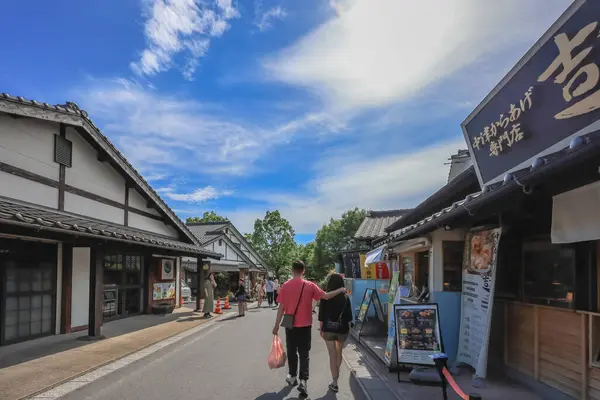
454	385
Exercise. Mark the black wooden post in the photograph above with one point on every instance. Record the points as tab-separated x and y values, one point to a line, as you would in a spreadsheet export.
199	283
96	293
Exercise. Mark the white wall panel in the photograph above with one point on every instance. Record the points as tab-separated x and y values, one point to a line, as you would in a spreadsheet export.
151	225
80	298
90	174
137	201
26	190
91	208
29	144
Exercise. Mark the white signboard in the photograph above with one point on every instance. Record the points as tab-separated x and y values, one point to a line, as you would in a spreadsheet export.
167	269
479	276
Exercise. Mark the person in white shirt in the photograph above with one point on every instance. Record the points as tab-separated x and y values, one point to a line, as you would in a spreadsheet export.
275	289
270	287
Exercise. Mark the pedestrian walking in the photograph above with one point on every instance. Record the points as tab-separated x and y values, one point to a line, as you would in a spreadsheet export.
240	295
209	295
275	291
270	286
335	317
260	292
295	315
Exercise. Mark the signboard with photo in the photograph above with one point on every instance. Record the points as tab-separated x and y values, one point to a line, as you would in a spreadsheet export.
163	291
167	270
479	276
390	355
418	334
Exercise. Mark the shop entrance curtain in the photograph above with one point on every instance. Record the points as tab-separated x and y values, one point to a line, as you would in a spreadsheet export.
576	215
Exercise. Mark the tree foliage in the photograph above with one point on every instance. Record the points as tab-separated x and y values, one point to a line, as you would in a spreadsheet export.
306	253
273	239
208	216
334	237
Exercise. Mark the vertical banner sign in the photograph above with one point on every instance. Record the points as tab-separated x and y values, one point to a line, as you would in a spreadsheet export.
479	276
392	294
390	355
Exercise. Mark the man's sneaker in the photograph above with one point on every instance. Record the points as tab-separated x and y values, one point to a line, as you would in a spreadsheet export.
303	387
291	380
334	387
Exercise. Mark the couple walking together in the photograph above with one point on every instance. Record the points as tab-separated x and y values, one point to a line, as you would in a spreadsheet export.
295	314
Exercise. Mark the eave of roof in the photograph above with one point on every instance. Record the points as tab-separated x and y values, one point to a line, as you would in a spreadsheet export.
374	224
71	114
463	181
40	218
581	149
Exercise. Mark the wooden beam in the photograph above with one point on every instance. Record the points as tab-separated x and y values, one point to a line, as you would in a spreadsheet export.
62	171
584	352
126	211
102	157
536	343
96	293
21	173
67	287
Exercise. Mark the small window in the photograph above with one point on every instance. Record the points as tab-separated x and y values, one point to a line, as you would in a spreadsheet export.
452	257
220	242
63	151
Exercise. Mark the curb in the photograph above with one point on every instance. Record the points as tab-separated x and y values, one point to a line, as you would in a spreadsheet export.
115	359
372	372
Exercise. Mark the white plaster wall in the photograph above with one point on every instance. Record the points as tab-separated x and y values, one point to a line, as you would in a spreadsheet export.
151	225
221	249
137	201
84	206
29	144
90	174
80	298
436	265
59	267
23	189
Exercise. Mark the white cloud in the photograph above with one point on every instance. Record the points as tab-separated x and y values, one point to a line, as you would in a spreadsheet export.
181	26
380	52
159	132
264	21
344	181
196	196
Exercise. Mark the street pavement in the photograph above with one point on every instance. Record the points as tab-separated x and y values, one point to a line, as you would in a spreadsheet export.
226	360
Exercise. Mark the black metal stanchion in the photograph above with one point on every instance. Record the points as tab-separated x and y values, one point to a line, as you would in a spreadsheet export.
440	361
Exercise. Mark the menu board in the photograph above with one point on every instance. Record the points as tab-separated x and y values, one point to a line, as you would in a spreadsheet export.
418	333
364	305
479	276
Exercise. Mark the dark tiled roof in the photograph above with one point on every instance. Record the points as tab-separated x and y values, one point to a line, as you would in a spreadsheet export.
581	149
16	213
70	113
374	224
205	232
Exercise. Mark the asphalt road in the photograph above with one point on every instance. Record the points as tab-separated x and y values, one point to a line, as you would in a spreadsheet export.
225	361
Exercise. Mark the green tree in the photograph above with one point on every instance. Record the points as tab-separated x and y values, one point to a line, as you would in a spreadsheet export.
273	239
306	253
334	237
208	216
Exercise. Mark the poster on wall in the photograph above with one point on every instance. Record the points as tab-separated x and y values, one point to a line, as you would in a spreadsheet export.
163	291
479	276
167	270
418	334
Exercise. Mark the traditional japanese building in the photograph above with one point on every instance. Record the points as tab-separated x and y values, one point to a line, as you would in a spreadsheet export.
83	237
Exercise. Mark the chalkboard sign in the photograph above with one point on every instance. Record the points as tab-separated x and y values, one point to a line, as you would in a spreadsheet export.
351	264
418	333
364	304
369	298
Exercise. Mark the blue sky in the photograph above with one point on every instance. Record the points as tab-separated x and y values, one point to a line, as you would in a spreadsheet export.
310	107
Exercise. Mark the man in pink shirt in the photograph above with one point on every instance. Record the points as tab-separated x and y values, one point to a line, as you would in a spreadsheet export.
296	298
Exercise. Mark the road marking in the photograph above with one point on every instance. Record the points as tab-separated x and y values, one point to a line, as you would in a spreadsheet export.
84	380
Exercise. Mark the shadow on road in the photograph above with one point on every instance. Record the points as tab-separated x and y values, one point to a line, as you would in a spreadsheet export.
276	396
233	317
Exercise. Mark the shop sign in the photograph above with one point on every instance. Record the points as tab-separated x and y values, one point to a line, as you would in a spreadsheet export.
167	269
163	291
351	264
553	94
418	333
378	270
479	276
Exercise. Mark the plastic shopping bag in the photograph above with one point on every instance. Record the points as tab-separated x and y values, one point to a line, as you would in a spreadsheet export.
277	356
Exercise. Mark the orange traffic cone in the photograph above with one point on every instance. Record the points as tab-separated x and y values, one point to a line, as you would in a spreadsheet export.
226	306
218	308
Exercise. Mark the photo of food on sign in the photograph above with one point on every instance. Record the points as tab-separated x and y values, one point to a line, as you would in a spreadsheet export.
482	250
416	329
